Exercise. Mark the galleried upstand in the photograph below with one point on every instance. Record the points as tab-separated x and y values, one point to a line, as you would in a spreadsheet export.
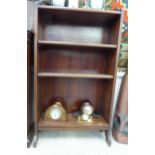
76	52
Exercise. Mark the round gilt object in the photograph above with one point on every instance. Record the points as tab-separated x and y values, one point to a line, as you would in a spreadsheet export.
55	112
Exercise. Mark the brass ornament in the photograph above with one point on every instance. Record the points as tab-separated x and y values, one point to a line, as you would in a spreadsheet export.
87	111
55	112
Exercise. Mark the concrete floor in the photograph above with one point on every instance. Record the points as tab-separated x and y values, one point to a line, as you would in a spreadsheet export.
78	143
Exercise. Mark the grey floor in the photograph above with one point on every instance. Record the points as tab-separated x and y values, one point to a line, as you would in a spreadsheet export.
78	143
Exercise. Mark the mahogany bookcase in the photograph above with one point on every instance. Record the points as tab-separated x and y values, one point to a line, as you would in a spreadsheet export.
75	58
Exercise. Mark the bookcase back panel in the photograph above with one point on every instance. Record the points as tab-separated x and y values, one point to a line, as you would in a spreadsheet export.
78	27
73	33
110	63
72	91
71	61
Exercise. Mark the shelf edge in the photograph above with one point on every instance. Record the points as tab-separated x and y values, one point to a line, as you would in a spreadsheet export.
75	75
79	10
108	46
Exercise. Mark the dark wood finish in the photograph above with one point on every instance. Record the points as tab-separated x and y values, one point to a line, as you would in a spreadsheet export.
75	75
84	60
58	43
30	74
59	10
72	90
72	123
36	109
118	32
76	52
78	25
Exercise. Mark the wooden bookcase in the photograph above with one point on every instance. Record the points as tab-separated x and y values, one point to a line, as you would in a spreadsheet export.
76	53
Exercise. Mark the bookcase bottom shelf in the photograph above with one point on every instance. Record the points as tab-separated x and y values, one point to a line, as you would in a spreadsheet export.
72	123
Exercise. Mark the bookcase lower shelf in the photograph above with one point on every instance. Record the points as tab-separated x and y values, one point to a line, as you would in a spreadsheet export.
72	123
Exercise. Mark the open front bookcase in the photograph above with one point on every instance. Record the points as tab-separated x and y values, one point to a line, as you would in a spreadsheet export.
76	52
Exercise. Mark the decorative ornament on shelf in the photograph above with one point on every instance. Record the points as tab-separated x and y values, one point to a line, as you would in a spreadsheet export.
56	112
58	3
83	3
73	3
45	2
97	4
86	112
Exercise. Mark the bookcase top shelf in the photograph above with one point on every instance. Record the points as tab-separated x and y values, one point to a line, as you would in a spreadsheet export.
83	10
79	16
75	75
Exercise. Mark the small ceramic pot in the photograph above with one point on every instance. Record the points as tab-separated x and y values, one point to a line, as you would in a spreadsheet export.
87	108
